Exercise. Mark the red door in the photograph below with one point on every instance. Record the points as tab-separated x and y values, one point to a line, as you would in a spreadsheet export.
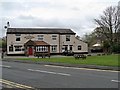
30	51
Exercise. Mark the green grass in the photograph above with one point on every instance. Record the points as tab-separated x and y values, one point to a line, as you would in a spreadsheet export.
107	60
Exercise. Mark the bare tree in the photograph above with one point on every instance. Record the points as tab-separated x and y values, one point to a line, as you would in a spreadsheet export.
109	25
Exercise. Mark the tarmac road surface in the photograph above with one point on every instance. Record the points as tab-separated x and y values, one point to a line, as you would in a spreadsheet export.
49	76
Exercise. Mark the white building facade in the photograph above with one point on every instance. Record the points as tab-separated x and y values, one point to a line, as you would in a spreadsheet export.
57	39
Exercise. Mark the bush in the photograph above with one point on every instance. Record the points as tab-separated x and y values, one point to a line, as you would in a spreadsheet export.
116	48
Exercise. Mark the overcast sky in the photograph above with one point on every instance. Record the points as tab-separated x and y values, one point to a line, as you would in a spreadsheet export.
77	15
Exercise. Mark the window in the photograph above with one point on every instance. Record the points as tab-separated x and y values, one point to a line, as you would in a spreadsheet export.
11	48
41	49
71	47
66	48
54	48
40	37
54	37
18	48
67	37
79	47
23	49
18	37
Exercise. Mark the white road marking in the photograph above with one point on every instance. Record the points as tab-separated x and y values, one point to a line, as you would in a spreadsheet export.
5	66
50	72
115	81
81	68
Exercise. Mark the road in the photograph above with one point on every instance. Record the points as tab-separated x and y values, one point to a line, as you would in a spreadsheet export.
48	76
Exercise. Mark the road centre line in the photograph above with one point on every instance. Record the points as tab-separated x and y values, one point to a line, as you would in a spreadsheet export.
79	68
115	81
65	74
5	66
14	85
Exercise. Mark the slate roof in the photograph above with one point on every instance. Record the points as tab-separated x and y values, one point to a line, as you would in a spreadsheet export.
39	31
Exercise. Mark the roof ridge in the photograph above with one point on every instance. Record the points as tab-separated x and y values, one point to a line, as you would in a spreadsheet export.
40	30
36	28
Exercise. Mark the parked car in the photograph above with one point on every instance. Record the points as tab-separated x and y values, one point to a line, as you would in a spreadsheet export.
68	53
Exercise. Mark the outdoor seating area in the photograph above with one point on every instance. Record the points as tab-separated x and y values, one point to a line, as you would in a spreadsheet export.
77	56
43	55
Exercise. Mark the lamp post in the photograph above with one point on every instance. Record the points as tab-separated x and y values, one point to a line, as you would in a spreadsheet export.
6	27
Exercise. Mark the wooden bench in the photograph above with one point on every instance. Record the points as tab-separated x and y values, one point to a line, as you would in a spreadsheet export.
77	56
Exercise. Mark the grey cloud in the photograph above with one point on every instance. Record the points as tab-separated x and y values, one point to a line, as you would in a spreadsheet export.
30	21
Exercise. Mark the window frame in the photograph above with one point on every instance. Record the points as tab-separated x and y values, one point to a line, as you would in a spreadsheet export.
54	48
41	48
11	46
18	49
68	37
18	36
66	47
54	37
79	47
18	39
40	37
71	47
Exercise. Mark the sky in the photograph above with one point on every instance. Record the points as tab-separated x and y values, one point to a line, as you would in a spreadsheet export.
77	15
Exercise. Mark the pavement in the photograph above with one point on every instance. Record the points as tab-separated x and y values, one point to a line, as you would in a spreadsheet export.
13	59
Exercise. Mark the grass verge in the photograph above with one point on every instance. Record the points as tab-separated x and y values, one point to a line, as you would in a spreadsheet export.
107	60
